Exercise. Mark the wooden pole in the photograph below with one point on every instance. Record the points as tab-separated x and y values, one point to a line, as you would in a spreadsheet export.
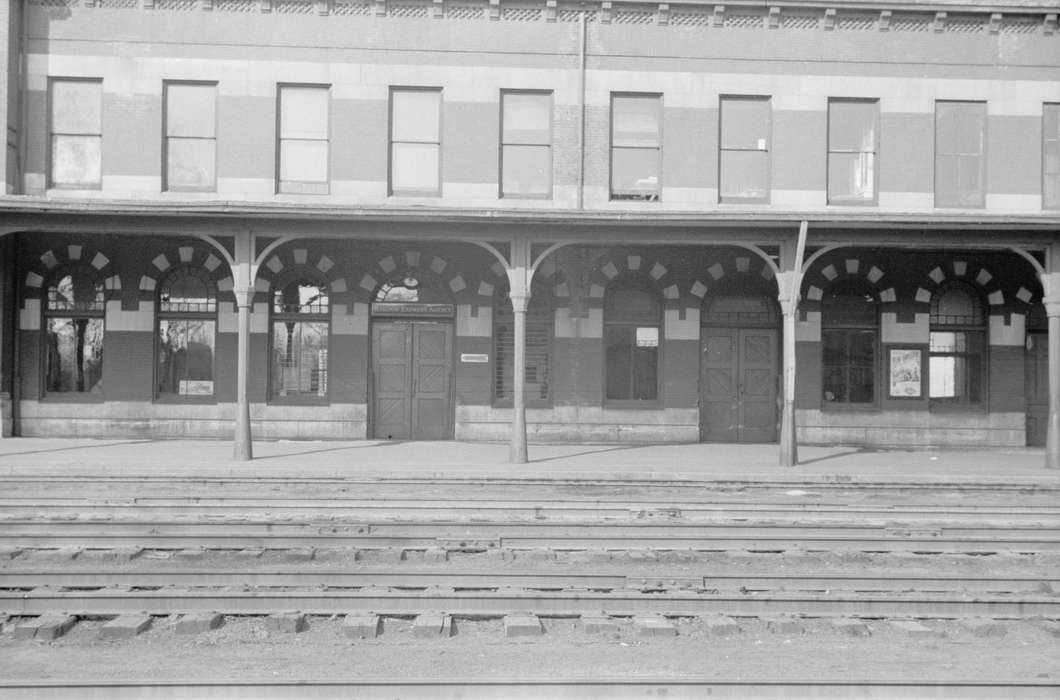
788	283
243	285
519	276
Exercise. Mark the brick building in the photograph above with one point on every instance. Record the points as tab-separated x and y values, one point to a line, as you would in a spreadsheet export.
325	219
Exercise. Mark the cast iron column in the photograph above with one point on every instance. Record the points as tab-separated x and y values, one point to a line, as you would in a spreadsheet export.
243	286
519	276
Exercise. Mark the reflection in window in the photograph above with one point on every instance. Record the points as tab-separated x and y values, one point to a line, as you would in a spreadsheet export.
539	325
526	144
635	146
849	324
632	330
852	135
300	320
187	326
744	158
76	133
73	333
957	345
415	141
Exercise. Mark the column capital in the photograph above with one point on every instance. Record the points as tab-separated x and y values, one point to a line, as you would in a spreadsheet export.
1051	293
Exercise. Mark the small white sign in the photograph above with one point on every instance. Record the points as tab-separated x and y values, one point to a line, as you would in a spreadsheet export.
647	337
474	357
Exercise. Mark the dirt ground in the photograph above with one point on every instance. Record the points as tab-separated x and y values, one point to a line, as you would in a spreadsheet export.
242	649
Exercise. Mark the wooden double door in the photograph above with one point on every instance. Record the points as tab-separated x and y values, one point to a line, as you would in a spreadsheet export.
412	377
739	380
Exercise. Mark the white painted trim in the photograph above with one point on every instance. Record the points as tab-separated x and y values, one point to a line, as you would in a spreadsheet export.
141	320
676	329
891	331
1012	335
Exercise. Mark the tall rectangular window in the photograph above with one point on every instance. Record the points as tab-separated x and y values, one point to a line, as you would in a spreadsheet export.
526	144
636	146
191	136
303	132
853	134
76	133
960	150
746	126
415	141
1051	156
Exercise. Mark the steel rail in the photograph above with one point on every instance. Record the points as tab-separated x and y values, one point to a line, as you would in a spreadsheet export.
835	483
335	538
408	509
240	600
67	577
527	689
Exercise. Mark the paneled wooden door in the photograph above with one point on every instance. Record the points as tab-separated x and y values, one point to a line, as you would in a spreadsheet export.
412	370
738	385
1036	383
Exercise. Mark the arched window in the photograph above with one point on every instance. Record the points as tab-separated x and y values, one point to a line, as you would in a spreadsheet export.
412	287
539	326
187	325
957	346
849	338
300	327
632	332
73	332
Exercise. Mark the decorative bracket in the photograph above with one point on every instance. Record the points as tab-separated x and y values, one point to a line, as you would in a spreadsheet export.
380	8
551	10
774	17
664	14
439	9
885	21
323	7
939	25
1049	27
995	23
829	19
495	10
605	12
719	15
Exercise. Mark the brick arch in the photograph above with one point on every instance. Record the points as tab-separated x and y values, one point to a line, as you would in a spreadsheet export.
961	270
64	257
850	267
199	255
741	266
417	260
607	268
290	261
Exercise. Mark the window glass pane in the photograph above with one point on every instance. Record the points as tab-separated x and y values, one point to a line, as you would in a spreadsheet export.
414	167
77	106
1052	190
960	127
184	291
299	358
744	174
635	170
527	118
303	113
191	110
745	123
76	160
1051	121
416	115
852	176
631	305
852	126
849	364
191	163
956	306
645	373
73	355
635	121
76	292
300	297
304	161
527	170
619	344
185	357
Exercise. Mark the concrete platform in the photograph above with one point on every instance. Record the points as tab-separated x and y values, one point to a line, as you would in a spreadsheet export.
375	459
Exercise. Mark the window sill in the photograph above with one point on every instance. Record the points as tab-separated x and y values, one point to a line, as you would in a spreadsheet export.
936	407
539	197
299	401
653	405
72	397
202	400
837	407
529	404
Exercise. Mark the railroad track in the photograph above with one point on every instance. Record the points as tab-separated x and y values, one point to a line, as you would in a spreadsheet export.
612	689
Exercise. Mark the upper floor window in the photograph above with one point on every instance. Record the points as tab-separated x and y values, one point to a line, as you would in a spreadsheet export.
849	328
187	325
300	328
957	345
303	132
191	136
539	327
73	332
632	331
746	130
960	154
1051	156
76	133
853	135
415	141
636	146
526	144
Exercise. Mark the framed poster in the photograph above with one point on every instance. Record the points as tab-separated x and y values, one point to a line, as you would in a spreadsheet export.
905	373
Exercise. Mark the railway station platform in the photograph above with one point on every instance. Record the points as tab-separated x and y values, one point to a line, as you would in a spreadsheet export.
371	459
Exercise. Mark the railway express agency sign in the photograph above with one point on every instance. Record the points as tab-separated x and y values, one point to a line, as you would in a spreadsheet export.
400	309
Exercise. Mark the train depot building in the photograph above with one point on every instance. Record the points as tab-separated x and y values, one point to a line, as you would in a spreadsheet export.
532	221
